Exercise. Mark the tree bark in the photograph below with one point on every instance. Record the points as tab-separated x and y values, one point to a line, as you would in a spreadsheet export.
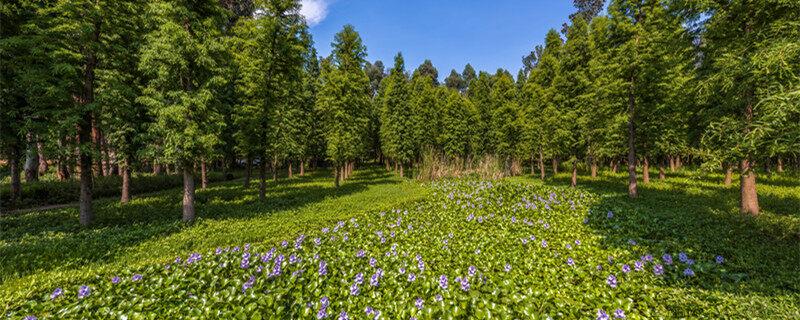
661	174
728	174
779	167
594	167
749	195
262	181
574	174
43	166
555	166
291	174
336	180
203	174
678	162
302	167
671	164
14	165
541	164
248	171
402	174
396	167
188	193
274	169
646	171
126	182
614	166
388	166
633	192
31	160
768	166
85	166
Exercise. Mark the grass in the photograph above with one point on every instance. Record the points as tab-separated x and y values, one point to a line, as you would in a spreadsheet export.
689	212
43	249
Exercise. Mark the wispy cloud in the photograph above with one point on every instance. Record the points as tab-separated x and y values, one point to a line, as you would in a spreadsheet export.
314	10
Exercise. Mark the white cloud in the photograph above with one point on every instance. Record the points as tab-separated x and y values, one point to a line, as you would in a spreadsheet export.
314	10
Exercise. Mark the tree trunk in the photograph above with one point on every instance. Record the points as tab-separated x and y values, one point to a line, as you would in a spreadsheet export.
31	160
728	174
594	168
203	175
157	168
671	164
291	174
188	193
274	169
302	167
85	166
678	162
541	164
555	166
768	166
262	180
248	171
106	157
633	192
614	166
126	182
574	173
16	185
533	164
646	171
388	166
43	166
336	180
396	167
779	167
661	174
749	195
401	171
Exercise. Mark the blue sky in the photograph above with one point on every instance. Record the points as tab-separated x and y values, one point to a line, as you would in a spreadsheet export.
488	34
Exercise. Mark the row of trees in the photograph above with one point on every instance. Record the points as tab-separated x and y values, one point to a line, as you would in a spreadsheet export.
186	85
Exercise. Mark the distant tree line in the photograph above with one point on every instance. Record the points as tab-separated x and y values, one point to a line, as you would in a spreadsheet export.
101	87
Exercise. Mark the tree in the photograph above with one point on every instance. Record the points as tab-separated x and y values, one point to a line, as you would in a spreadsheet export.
181	58
427	69
455	81
455	125
397	129
505	121
468	74
749	75
343	100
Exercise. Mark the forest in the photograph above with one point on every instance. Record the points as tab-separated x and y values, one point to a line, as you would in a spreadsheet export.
104	103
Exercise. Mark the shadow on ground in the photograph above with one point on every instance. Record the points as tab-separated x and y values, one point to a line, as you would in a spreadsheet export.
700	216
48	240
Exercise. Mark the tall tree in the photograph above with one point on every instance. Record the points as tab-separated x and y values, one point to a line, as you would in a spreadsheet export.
427	69
397	129
343	100
181	58
455	81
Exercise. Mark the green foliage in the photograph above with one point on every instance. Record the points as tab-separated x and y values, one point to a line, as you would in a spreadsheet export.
518	236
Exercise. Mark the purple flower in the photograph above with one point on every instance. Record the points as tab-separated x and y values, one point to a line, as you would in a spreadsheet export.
177	259
194	257
354	289
359	278
56	293
667	258
612	281
248	284
411	277
236	249
688	272
373	262
360	254
84	292
658	269
284	243
638	265
544	243
472	270
719	259
632	242
218	251
602	315
30	318
115	280
322	313
419	303
577	242
570	262
619	314
647	258
373	280
325	301
683	257
690	261
569	246
464	284
293	259
438	298
507	267
626	268
609	215
343	316
317	241
246	247
323	268
443	281
245	264
136	277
